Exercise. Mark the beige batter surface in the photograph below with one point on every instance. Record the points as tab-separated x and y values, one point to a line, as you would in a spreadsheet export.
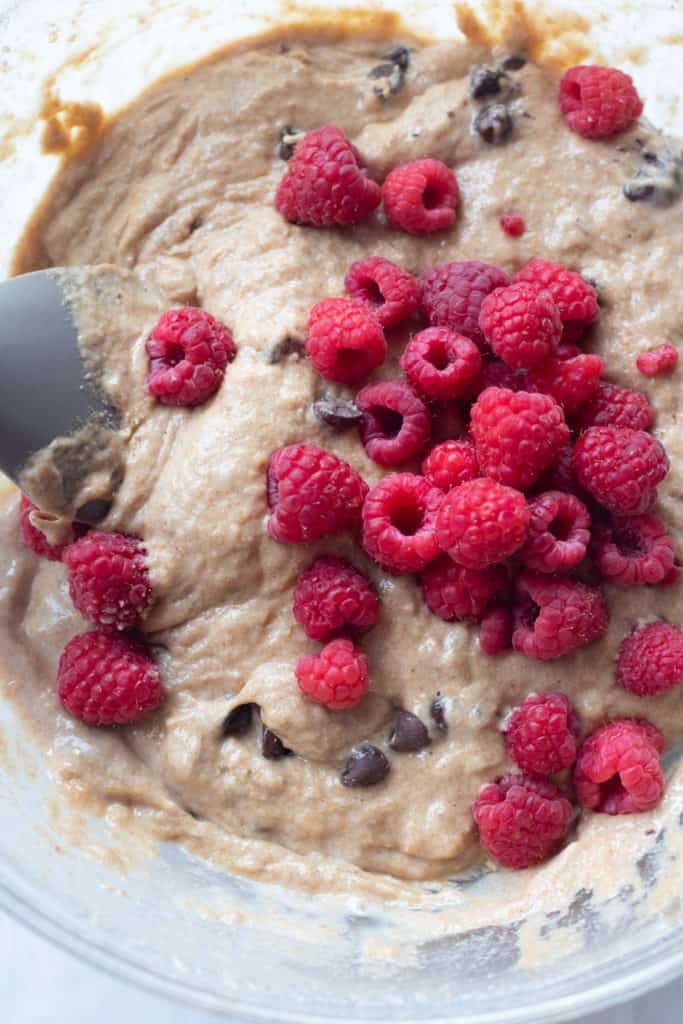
179	190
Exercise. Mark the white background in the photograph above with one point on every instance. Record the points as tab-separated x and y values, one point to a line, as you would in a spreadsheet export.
41	985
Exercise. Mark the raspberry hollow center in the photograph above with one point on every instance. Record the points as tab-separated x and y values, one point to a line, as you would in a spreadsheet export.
407	517
390	422
432	197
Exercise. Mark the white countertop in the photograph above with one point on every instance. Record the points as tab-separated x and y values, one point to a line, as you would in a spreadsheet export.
40	984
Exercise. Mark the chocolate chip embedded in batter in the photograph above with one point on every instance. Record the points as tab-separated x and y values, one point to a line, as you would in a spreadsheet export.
365	767
338	413
238	720
388	80
485	81
409	734
659	180
438	713
289	137
493	123
514	62
271	745
399	55
290	345
93	511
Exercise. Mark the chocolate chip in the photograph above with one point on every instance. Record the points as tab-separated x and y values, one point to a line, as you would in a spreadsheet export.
338	413
382	71
399	55
365	767
438	713
485	81
272	746
658	181
409	734
93	511
289	137
238	721
388	79
290	345
493	123
196	223
514	62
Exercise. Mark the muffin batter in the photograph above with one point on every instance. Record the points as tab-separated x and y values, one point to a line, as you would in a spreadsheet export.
179	190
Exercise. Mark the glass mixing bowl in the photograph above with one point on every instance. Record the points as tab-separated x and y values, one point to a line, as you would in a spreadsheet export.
175	924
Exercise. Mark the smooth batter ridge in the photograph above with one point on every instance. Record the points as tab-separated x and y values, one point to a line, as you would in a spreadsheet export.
180	189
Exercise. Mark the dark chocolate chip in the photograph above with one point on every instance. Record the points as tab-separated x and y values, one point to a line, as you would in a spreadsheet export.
514	62
399	55
272	746
382	71
493	123
196	223
365	767
409	734
287	346
388	79
635	191
338	413
289	137
659	180
238	721
485	81
438	713
93	511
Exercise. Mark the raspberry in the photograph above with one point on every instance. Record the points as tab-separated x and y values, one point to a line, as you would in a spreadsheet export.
324	183
495	630
389	292
311	493
453	592
336	678
522	819
613	406
188	351
331	596
108	679
633	551
447	421
598	102
541	733
658	360
517	435
33	536
108	579
522	324
399	523
451	294
512	224
617	770
554	615
560	476
345	342
650	660
575	298
558	533
482	522
620	467
571	382
396	422
441	364
450	464
497	374
421	197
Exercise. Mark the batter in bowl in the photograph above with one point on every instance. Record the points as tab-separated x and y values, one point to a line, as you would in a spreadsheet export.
179	190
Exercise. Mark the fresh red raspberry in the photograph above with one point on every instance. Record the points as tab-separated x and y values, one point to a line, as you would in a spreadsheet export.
617	770
396	422
542	733
453	592
450	464
522	819
662	359
559	532
188	351
399	523
651	659
598	102
554	615
495	630
613	406
441	364
521	324
517	435
620	468
311	493
560	476
571	382
108	679
108	579
388	291
633	551
567	350
337	677
512	224
482	522
451	294
421	197
497	374
575	298
324	183
345	342
34	538
332	596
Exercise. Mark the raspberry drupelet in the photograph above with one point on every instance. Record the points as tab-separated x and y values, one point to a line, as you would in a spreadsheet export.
396	422
388	291
336	678
617	769
522	819
421	197
541	734
441	364
650	659
188	352
656	361
554	615
399	523
332	596
344	341
108	579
